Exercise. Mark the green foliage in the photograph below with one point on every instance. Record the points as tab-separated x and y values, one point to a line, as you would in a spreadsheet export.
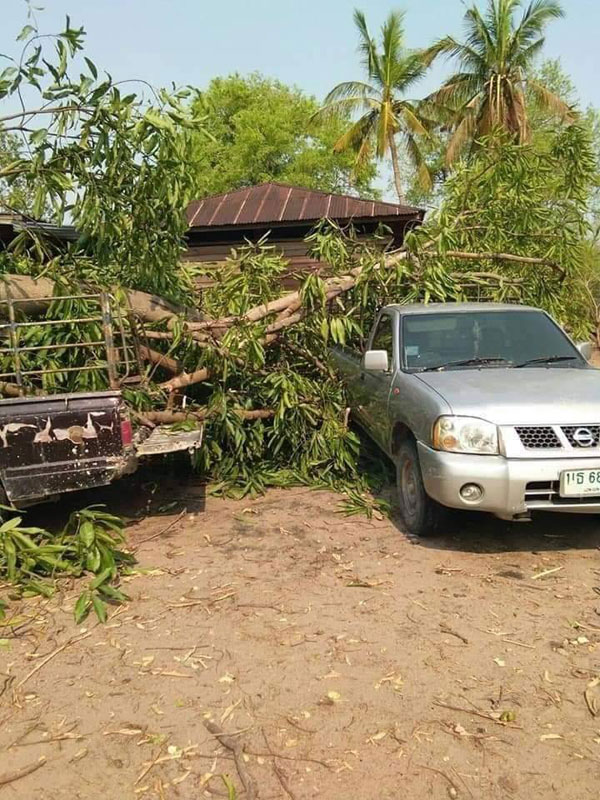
307	440
514	199
32	558
260	130
17	196
544	126
111	160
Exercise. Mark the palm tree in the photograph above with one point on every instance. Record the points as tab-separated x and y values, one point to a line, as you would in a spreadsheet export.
495	60
383	112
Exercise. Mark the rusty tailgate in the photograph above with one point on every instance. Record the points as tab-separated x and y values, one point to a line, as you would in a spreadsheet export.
58	443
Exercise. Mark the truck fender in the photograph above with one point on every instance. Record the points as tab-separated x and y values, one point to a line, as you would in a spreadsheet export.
400	432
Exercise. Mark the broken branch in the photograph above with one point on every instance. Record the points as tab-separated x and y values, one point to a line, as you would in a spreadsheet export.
248	781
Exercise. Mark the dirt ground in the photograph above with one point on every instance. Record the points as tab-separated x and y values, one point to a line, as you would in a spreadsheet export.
344	659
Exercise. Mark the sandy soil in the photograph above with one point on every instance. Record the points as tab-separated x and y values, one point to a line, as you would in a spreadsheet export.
345	660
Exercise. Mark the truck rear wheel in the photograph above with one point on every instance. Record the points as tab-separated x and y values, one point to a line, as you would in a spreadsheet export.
422	516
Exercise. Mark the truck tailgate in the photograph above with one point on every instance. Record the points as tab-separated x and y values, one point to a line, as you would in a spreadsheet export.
59	443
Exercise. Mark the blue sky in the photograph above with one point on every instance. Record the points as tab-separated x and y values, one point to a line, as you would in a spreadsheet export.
310	43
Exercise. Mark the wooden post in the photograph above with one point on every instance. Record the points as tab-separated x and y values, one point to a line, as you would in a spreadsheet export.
107	329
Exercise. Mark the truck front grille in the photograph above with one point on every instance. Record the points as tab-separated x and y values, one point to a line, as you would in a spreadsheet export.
593	430
549	492
536	437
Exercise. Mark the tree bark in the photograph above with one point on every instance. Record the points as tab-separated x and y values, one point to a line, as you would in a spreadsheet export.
396	168
500	257
160	360
38	292
170	417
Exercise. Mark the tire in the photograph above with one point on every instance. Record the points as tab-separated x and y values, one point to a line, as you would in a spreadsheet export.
422	516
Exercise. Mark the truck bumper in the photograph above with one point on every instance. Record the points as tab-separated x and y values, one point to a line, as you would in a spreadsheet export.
34	484
512	488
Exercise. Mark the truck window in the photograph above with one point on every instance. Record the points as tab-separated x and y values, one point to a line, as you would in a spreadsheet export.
384	337
431	339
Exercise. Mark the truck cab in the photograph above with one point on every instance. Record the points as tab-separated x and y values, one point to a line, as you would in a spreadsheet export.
482	407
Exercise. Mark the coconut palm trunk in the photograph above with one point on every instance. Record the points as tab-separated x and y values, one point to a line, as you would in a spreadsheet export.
396	168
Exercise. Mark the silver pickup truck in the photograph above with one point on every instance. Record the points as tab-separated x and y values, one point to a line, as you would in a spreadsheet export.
481	406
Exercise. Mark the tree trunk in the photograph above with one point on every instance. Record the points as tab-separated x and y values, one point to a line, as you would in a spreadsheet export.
38	293
396	168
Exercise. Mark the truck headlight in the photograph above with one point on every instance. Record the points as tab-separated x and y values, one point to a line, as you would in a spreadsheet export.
465	435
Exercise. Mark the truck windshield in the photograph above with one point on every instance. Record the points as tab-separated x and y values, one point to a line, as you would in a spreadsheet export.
485	339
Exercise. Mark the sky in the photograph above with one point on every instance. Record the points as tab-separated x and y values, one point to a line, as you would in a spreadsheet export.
309	43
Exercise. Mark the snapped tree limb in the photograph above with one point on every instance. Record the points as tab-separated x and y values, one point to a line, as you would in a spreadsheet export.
35	294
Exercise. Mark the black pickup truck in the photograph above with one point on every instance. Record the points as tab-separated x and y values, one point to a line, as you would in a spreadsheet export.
52	443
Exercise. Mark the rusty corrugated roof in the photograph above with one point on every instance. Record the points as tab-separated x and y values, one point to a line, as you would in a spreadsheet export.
278	202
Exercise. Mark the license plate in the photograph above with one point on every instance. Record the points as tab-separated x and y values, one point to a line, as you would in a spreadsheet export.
577	482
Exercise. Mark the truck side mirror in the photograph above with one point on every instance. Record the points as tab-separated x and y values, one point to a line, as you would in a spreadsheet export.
376	361
585	348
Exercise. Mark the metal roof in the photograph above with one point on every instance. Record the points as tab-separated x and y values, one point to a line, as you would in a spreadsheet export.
279	202
19	222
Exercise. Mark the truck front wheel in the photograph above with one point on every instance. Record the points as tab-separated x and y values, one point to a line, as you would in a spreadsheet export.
422	516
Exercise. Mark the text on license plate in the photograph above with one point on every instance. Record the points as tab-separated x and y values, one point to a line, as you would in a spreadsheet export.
575	482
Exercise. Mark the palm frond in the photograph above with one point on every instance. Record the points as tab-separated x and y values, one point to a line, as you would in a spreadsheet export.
538	14
419	163
392	35
548	101
457	91
523	58
357	134
367	47
534	20
406	71
463	134
450	47
386	127
409	118
500	24
479	38
345	106
516	111
351	89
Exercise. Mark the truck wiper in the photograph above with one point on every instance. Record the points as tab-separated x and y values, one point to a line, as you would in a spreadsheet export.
546	360
468	362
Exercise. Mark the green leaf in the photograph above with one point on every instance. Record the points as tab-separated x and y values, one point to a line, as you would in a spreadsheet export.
231	792
99	607
10	552
25	33
158	120
82	607
38	137
87	534
91	66
10	524
113	593
92	561
101	578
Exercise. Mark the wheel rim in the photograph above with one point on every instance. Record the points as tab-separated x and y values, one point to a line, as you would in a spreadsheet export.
409	486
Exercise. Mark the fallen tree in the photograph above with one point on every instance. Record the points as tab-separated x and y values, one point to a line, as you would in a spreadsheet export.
252	361
38	291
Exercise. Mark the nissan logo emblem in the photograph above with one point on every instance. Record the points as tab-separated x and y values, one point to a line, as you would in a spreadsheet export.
583	437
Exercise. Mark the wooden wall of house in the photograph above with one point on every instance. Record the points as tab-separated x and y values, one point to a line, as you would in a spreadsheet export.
295	251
